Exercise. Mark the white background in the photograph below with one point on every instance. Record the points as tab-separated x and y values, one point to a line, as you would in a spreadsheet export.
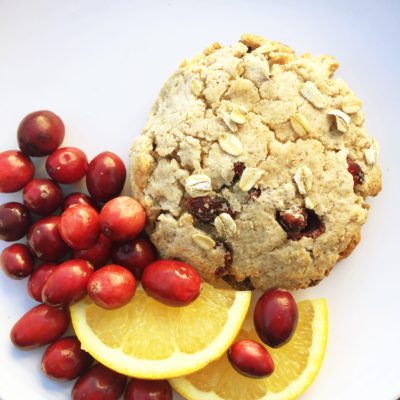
100	64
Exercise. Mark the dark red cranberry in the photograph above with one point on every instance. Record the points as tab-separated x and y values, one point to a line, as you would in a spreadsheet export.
105	176
40	133
205	208
42	196
67	165
356	171
65	360
98	254
68	282
14	221
17	261
16	171
251	359
80	226
141	389
238	168
38	279
275	317
254	193
44	240
315	227
172	282
79	198
40	325
99	383
135	255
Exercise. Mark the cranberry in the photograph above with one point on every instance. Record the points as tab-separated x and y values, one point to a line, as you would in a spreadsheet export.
135	255
275	317
44	240
356	171
205	208
65	360
42	196
80	226
254	193
99	383
112	286
17	261
172	282
105	176
40	133
251	359
238	168
122	218
78	198
98	254
38	279
14	221
67	284
67	165
16	171
141	389
40	325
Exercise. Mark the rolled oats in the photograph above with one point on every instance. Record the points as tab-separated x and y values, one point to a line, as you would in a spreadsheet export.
249	178
310	92
225	225
230	144
203	241
303	178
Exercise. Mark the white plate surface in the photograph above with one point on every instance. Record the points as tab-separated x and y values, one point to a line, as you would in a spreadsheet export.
100	64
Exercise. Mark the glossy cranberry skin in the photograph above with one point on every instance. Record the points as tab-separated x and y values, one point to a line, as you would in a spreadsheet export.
251	359
105	176
40	133
112	286
14	221
80	226
17	261
38	279
275	317
141	389
44	240
99	383
40	325
122	218
67	165
98	254
67	284
172	282
78	198
135	255
42	196
65	360
16	171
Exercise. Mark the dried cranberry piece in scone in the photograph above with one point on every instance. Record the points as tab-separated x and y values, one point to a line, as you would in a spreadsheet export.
356	171
238	168
206	208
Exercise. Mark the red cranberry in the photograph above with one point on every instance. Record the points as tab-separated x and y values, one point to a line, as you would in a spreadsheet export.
40	325
67	165
293	219
78	198
135	255
172	282
141	389
105	176
99	383
98	254
42	196
38	279
14	221
205	208
65	360
17	261
356	171
40	133
275	317
238	168
251	359
111	287
80	226
44	240
67	284
16	171
122	218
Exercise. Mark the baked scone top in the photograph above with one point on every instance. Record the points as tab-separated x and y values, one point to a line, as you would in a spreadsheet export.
243	165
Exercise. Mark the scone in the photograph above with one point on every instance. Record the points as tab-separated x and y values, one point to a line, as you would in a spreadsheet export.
254	166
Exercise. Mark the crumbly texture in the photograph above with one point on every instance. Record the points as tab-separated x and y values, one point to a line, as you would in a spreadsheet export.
292	127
